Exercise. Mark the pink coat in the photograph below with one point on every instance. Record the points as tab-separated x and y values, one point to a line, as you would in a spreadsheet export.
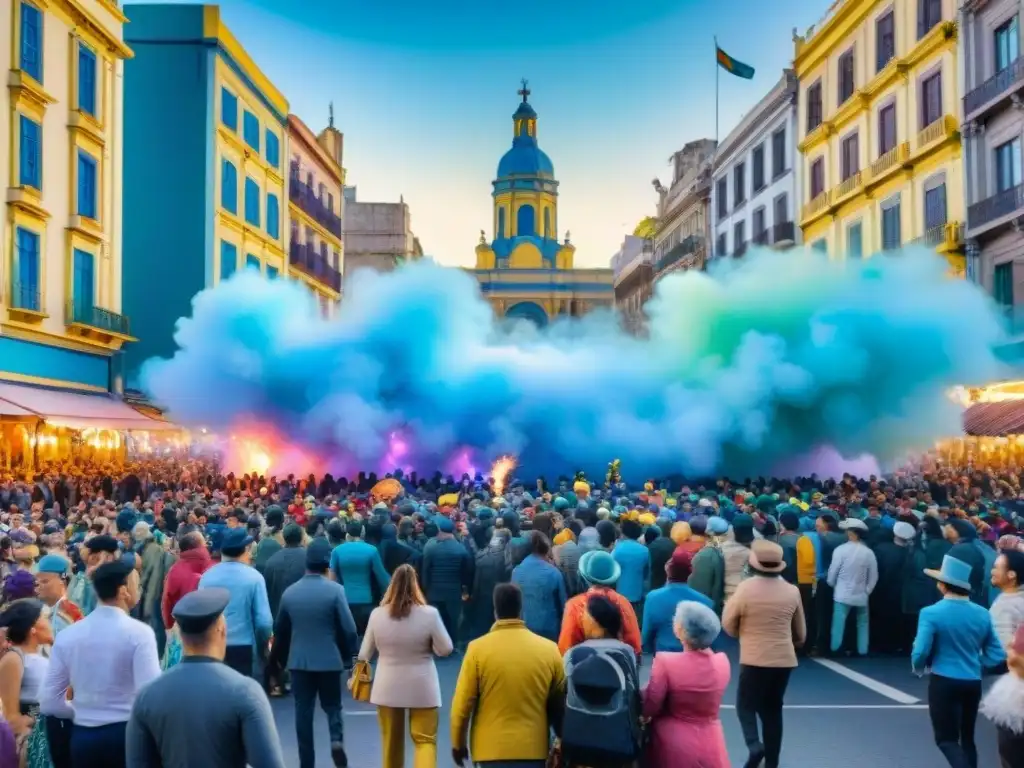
682	700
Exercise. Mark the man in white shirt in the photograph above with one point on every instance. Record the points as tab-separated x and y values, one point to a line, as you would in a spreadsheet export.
97	666
853	575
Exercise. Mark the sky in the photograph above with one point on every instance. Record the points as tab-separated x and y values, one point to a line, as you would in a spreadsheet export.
424	93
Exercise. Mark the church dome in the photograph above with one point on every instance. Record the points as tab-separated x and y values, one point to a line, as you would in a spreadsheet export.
525	160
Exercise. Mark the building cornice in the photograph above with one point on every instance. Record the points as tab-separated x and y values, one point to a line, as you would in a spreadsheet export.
299	130
783	95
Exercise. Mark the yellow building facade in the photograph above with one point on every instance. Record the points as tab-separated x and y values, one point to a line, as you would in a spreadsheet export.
525	271
879	136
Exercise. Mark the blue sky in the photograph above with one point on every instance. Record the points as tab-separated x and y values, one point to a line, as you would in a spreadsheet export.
424	93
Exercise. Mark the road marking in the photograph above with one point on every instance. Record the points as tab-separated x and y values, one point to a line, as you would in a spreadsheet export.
844	706
871	684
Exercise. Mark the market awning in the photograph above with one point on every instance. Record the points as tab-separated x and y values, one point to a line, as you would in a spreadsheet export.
1005	417
75	411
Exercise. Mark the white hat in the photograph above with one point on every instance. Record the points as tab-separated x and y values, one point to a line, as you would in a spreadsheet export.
704	503
854	524
904	531
141	531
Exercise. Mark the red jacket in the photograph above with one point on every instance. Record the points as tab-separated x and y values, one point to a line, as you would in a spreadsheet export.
182	579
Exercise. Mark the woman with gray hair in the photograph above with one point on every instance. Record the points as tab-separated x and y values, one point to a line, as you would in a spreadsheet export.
685	693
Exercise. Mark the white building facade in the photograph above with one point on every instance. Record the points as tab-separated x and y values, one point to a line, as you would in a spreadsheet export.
680	239
633	270
755	189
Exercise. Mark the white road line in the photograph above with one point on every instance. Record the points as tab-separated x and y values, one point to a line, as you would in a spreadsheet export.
871	684
844	706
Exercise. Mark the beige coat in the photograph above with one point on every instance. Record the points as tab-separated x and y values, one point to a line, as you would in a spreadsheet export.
766	614
405	676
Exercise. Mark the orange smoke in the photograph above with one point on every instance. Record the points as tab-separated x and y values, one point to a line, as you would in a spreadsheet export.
500	472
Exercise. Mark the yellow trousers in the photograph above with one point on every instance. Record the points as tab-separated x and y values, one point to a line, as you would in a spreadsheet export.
422	729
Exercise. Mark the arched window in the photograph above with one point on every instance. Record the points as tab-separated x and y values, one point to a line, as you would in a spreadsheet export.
501	223
547	223
525	221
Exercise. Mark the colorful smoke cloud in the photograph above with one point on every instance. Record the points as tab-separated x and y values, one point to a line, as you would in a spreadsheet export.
765	359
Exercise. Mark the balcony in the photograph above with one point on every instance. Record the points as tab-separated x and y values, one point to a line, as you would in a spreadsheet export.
681	250
26	302
314	264
984	214
816	206
938	130
784	233
762	237
983	99
847	187
90	320
309	201
890	162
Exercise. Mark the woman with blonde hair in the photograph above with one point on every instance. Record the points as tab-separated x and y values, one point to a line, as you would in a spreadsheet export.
405	634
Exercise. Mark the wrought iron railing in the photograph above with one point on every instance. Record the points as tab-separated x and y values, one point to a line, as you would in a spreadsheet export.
26	296
314	264
81	313
996	85
998	205
784	231
308	200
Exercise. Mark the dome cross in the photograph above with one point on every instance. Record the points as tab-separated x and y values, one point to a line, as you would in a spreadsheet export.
524	91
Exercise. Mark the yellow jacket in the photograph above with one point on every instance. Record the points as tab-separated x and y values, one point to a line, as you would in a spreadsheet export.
507	680
805	561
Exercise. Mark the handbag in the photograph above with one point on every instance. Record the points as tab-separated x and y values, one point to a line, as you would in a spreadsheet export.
361	682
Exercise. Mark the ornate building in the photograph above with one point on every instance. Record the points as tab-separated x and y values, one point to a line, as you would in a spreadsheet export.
525	272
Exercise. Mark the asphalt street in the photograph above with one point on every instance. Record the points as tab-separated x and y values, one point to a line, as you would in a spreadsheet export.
846	714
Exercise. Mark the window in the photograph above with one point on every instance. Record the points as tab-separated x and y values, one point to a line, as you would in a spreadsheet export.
854	241
929	13
931	99
846	79
86	79
721	246
31	56
526	221
273	217
547	223
252	202
891	226
501	224
321	191
25	289
779	152
253	262
851	156
739	184
1007	44
271	272
738	236
757	224
229	109
885	40
817	177
757	168
814	116
251	130
228	187
228	259
886	129
273	149
330	207
335	258
86	185
83	286
1002	284
935	207
781	209
723	202
1008	165
30	174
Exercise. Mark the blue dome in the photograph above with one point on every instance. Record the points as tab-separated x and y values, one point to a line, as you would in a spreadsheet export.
526	159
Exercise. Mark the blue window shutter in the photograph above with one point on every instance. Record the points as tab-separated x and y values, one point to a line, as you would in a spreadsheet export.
86	185
272	216
252	202
31	59
86	80
84	287
228	187
272	149
272	273
251	130
252	262
229	109
25	291
228	260
30	151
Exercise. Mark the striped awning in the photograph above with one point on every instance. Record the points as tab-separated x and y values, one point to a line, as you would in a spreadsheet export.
995	419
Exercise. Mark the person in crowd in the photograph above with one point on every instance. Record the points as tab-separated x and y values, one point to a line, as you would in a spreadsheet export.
658	629
736	552
918	591
286	566
1004	705
447	575
393	552
689	536
250	623
708	565
567	552
956	640
405	633
509	692
660	549
202	713
155	563
101	662
767	616
885	603
635	563
852	574
830	538
798	551
685	693
543	588
1008	608
518	546
96	551
600	572
315	637
963	535
357	566
182	577
490	571
22	672
272	540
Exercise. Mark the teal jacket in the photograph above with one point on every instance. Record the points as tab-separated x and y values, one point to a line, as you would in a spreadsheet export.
357	566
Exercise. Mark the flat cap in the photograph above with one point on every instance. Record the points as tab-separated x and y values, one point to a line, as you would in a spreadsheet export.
196	611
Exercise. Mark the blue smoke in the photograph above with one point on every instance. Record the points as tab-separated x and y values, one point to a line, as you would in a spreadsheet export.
764	359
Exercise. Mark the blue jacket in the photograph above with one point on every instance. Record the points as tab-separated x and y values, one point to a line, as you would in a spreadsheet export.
248	612
544	595
657	632
955	637
635	562
447	570
357	566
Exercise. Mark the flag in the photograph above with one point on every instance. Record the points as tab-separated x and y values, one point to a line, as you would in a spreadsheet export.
732	66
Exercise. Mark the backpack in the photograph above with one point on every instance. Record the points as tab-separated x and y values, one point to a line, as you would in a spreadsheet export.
601	723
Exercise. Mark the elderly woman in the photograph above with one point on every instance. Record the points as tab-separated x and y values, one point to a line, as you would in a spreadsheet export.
684	695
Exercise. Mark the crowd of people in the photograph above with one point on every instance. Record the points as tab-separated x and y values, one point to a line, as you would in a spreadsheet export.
123	589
